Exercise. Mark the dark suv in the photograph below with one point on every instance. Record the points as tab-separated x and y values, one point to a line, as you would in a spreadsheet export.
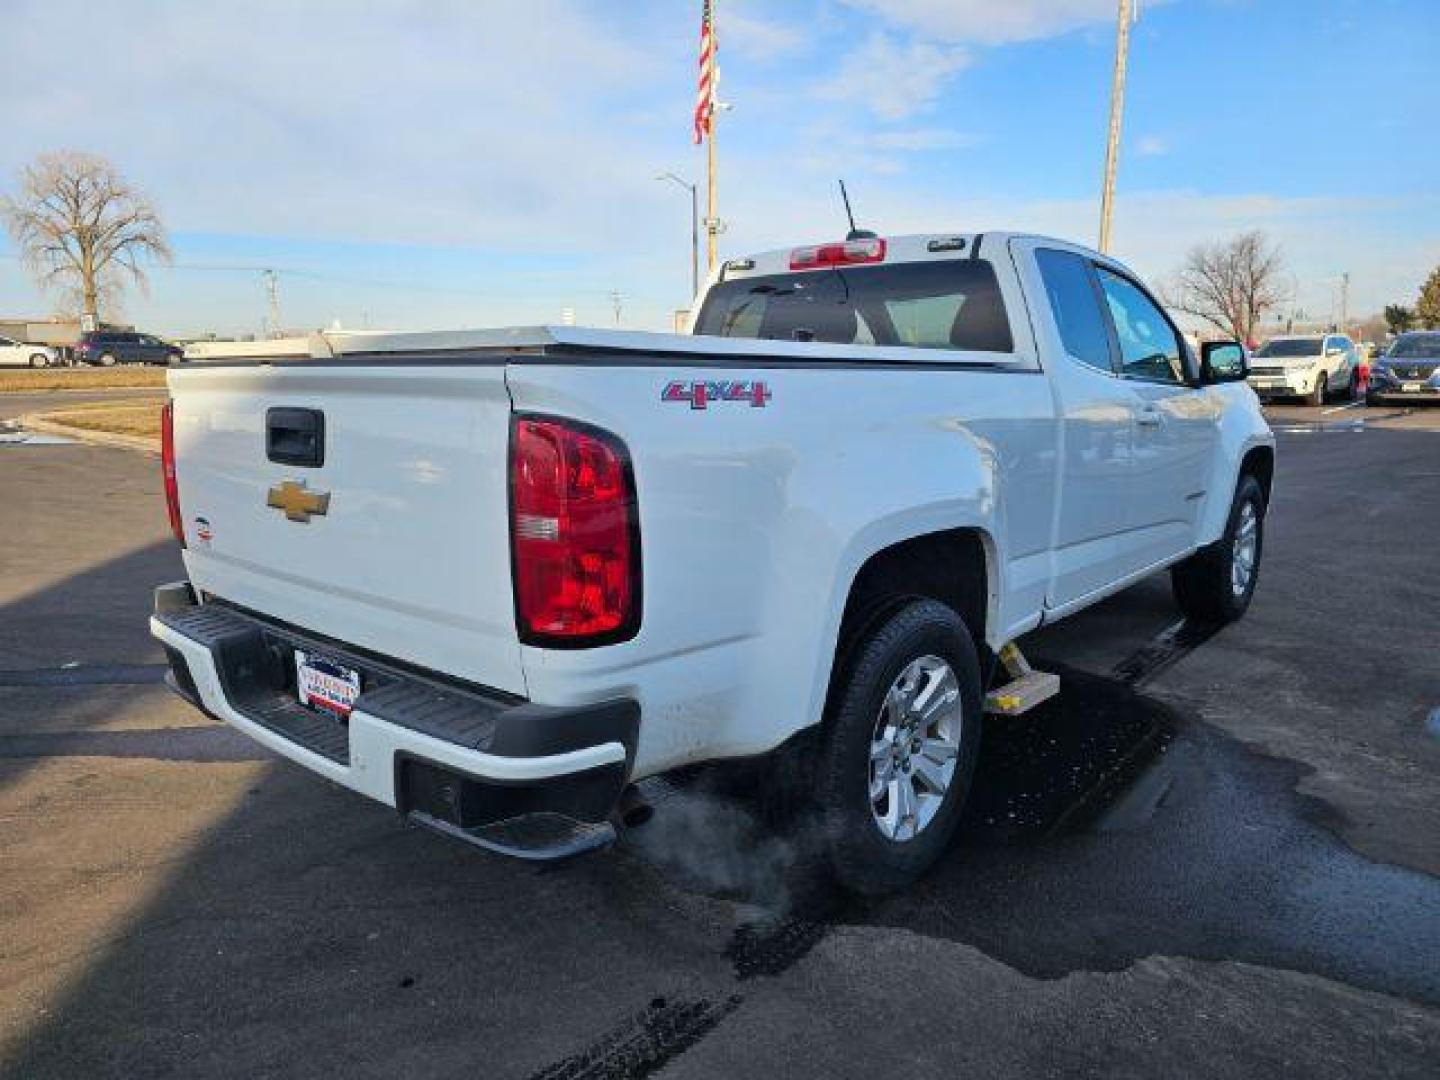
105	348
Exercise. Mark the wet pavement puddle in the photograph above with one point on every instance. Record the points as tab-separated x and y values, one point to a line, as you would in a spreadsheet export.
1103	828
12	434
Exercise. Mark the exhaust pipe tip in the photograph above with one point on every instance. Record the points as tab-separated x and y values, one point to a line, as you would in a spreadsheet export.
633	811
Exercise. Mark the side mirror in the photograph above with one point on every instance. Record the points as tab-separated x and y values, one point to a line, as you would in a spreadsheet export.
1223	361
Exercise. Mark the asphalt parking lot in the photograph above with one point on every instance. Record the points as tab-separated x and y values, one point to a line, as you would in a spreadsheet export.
1215	855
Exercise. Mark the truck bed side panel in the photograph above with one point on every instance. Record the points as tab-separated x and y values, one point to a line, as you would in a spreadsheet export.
754	521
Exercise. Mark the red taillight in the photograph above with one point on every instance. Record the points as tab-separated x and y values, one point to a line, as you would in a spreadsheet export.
573	534
841	254
167	468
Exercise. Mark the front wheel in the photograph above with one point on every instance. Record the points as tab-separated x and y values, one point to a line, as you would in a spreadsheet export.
900	747
1217	583
38	360
1321	391
107	359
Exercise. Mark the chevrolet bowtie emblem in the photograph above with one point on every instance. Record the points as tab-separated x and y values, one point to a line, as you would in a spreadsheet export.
298	501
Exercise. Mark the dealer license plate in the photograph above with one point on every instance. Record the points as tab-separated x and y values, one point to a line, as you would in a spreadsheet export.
321	683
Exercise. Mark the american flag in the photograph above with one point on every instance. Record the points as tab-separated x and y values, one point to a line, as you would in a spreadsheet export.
705	97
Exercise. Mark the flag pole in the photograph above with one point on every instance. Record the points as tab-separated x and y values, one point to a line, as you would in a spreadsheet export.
712	211
712	201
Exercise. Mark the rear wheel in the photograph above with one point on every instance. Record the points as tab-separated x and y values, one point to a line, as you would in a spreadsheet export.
107	359
1217	583
39	360
899	749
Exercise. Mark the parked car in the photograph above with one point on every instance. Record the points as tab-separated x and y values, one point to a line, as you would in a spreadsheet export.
1312	366
21	354
106	348
1409	371
493	578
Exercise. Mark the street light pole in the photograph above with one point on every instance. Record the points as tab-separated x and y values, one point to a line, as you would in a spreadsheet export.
694	191
1117	112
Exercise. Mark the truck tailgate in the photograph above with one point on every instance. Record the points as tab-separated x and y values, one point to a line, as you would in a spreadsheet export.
410	558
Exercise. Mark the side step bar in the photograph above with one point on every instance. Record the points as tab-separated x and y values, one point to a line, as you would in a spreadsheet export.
1026	689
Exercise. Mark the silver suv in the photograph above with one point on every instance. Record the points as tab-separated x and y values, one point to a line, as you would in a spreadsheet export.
1312	366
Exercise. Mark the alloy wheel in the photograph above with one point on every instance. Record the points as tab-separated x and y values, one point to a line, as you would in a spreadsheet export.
914	748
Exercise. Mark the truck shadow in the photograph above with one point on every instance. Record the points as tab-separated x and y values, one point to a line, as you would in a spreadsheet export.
1102	828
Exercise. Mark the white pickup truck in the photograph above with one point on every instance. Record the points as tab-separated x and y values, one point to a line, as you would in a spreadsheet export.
494	578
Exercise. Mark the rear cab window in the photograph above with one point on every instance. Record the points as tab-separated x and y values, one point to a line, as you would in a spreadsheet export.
952	304
1076	307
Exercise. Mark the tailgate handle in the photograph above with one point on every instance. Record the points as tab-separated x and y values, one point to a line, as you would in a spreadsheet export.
295	437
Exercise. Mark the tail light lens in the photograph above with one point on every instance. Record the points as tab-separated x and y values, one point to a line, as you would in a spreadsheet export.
574	534
167	468
847	253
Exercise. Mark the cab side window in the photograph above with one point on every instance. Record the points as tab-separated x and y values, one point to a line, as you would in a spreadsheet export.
1150	348
1076	308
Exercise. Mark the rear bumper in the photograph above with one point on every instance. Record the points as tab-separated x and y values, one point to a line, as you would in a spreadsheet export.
527	780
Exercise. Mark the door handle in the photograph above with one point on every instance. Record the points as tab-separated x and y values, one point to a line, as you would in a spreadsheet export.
1150	417
295	437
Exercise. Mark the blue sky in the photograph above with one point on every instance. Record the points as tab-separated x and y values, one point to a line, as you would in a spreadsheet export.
409	164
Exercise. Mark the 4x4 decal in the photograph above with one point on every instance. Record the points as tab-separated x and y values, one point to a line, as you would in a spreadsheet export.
699	394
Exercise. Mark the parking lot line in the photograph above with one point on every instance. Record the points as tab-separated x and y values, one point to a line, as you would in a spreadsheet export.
1341	408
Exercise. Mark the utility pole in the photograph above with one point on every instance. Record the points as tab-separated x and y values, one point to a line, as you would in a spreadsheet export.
1117	112
694	228
1345	302
618	302
272	291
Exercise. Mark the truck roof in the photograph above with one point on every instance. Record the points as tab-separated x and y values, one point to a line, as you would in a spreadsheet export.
914	247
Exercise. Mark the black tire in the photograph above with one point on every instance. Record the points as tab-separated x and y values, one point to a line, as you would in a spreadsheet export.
1204	583
39	360
1321	393
106	360
862	858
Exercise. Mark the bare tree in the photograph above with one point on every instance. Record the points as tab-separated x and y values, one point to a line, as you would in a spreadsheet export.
82	229
1231	284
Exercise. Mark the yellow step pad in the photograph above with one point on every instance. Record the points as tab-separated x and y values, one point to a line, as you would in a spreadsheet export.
1022	694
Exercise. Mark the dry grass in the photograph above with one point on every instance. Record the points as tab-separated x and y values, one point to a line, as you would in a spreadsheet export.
29	380
133	417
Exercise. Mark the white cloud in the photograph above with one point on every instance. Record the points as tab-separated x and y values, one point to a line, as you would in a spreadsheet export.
1152	146
446	124
992	22
921	139
759	39
891	79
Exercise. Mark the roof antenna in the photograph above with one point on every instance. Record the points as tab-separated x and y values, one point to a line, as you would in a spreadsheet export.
854	233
